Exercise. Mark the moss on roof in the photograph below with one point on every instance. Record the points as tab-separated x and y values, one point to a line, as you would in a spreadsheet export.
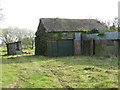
55	24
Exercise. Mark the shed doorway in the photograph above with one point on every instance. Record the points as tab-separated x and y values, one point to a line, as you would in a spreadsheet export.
92	47
60	48
88	47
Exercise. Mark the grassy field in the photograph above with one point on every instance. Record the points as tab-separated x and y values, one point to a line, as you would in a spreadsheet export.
30	71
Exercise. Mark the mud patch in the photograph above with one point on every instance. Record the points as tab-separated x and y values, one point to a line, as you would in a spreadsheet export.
92	69
68	87
11	58
27	52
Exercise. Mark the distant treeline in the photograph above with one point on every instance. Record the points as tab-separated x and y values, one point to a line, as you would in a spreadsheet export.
14	34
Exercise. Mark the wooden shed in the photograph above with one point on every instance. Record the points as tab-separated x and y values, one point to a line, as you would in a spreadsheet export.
61	37
14	48
106	45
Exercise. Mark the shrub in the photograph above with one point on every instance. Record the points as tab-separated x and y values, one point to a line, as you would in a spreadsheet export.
101	34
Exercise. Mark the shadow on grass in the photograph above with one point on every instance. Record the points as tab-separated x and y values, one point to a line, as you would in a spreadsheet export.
5	55
23	59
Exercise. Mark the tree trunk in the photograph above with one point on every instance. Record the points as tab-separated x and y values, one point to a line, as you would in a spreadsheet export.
32	45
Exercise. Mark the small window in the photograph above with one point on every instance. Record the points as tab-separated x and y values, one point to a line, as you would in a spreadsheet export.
110	43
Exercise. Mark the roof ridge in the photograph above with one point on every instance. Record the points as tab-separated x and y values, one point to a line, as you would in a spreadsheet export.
69	18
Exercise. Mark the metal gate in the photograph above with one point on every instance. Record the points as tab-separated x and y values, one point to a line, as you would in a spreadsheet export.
60	48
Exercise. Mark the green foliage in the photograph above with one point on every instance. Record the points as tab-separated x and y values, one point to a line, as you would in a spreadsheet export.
29	50
109	30
60	36
113	27
54	36
94	30
118	28
3	51
28	43
98	21
57	19
101	33
80	29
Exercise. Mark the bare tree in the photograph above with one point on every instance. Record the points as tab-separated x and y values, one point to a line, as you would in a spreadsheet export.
11	34
14	34
7	36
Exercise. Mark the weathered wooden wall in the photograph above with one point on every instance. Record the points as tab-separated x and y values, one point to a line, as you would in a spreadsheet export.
11	49
14	48
106	45
19	48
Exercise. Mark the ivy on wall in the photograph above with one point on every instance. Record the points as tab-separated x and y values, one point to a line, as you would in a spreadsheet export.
42	37
60	36
94	30
41	41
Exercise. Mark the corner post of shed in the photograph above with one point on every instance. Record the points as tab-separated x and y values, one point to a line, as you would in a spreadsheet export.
7	48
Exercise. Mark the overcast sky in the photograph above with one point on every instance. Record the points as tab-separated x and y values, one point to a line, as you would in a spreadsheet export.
26	13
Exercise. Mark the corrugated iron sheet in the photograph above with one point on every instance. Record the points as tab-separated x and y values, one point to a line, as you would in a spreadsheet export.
77	36
107	36
60	48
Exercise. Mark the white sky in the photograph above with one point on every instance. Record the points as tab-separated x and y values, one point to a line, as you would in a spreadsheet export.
26	13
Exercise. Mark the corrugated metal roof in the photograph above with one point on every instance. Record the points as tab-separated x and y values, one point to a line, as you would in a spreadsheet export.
107	36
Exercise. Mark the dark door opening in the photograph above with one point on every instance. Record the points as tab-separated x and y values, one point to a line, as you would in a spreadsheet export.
93	47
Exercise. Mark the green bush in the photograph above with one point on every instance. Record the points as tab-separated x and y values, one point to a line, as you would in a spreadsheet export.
94	30
101	34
